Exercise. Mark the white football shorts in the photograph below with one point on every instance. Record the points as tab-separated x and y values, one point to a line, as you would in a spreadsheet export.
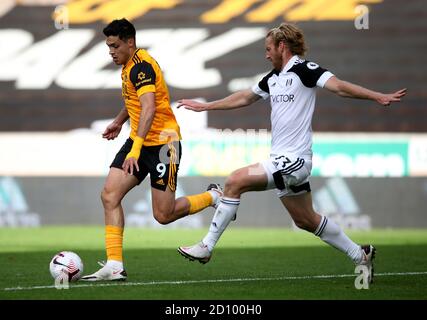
288	174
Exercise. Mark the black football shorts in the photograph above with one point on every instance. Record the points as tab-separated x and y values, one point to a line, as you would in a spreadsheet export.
161	162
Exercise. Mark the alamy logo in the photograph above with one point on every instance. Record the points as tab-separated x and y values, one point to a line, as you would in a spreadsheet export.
361	22
362	280
61	17
62	281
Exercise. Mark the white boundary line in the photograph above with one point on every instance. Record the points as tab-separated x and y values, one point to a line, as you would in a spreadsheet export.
178	282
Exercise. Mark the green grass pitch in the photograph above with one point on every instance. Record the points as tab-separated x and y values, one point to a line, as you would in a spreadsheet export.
258	264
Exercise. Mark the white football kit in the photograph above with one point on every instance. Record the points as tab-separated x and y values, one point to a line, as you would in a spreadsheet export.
292	94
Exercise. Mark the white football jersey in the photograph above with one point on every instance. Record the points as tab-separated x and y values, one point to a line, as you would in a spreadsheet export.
292	94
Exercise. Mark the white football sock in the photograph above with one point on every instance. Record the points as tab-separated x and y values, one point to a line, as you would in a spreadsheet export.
332	234
223	215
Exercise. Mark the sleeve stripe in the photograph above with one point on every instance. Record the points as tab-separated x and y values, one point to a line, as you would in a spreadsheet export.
323	78
256	89
145	89
135	57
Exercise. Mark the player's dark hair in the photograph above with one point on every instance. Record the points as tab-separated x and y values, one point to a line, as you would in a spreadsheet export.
122	28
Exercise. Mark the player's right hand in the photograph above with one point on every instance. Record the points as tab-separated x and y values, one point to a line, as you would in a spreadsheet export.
192	105
112	131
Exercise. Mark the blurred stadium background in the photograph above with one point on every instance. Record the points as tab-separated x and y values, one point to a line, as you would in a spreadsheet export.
58	91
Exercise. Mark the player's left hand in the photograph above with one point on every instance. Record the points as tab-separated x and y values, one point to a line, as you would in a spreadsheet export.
129	164
387	99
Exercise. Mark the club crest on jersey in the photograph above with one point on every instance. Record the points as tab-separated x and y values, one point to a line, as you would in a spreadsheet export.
312	65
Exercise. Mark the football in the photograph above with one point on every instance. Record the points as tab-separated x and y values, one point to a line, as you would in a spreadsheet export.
66	262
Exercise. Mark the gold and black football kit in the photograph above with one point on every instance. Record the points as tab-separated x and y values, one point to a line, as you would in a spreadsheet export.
161	150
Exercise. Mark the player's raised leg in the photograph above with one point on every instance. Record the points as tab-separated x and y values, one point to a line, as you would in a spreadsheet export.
116	187
166	208
251	178
300	208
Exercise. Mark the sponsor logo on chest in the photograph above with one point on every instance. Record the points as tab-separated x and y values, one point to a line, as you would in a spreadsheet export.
281	89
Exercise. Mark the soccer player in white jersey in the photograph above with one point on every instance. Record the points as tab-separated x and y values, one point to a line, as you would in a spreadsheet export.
290	86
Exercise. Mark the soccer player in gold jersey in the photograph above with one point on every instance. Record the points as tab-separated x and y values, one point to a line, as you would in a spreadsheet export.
153	148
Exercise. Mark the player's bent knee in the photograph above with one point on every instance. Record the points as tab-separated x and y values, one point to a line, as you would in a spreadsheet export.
305	223
302	224
104	196
162	217
109	199
234	184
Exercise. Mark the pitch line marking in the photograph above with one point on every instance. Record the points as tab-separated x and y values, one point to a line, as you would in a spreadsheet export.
150	283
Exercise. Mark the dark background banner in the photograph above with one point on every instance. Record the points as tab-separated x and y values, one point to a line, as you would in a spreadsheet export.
387	56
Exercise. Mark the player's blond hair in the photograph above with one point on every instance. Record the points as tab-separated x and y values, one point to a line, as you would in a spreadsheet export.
291	35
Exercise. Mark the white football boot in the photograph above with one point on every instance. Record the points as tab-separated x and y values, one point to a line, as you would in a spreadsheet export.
106	273
368	255
199	252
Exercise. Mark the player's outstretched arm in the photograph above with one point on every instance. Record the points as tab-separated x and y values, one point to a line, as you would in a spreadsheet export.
236	100
350	90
